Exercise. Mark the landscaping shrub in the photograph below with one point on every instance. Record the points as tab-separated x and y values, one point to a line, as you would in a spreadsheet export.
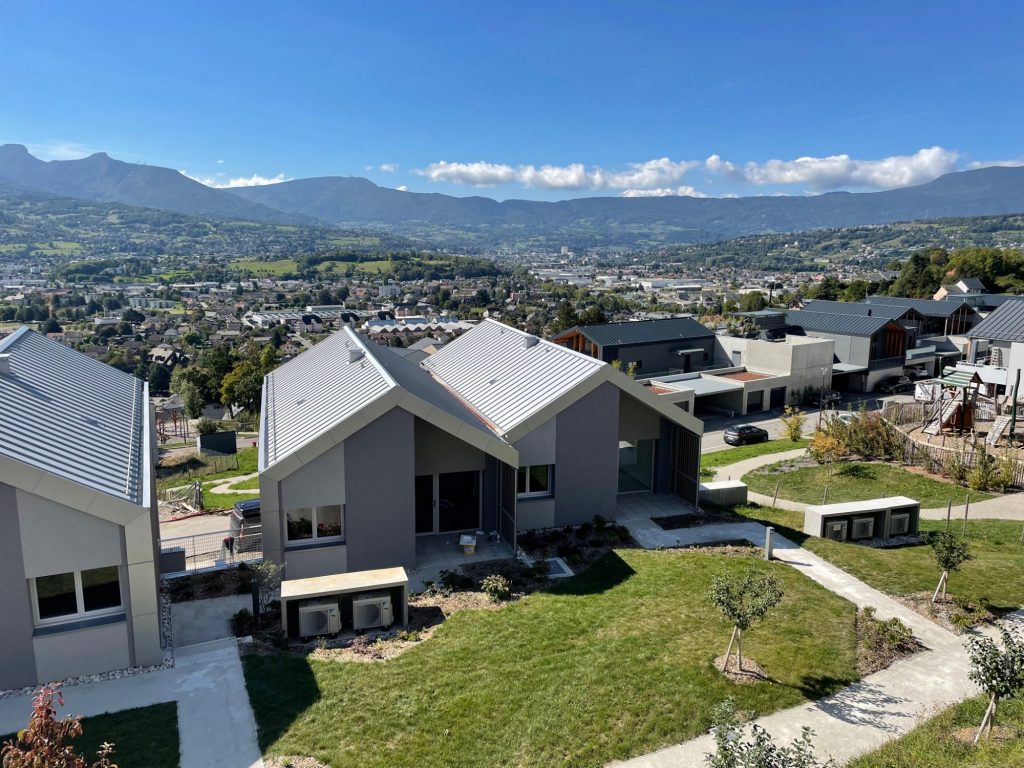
793	420
242	623
568	549
891	636
454	580
497	587
982	476
584	531
955	467
600	522
207	426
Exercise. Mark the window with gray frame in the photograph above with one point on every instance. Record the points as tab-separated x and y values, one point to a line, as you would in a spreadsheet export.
77	594
535	481
310	524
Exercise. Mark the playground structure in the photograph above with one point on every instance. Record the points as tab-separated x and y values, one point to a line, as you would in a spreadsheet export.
963	403
171	421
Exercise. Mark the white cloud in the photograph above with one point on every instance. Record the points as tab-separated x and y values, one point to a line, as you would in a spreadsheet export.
242	181
840	171
684	190
220	162
1000	163
388	167
402	188
645	175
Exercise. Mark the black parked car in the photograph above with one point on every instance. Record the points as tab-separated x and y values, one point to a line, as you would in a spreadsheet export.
895	384
830	398
745	434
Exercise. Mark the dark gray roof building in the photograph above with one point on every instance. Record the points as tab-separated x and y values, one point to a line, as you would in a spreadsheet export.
644	331
1004	324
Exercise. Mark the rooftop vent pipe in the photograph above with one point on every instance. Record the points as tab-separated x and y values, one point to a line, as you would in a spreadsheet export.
530	341
5	364
355	354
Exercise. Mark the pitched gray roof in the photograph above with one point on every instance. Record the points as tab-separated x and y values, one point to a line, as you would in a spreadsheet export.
832	322
890	311
645	331
341	375
75	417
1006	323
311	393
507	375
927	307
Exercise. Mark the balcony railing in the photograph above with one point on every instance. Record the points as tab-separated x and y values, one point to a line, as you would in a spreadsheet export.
209	551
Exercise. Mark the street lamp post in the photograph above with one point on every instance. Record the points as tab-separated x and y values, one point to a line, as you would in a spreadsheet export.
821	398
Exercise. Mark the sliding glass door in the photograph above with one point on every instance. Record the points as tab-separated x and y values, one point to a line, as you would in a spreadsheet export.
446	502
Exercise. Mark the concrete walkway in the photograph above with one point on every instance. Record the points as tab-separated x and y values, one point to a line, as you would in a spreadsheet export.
863	716
215	722
1007	507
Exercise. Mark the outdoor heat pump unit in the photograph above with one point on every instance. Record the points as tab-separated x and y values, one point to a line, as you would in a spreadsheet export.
835	530
864	528
319	617
899	524
373	610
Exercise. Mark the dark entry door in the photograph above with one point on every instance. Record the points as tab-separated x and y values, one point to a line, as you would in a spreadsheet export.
458	501
424	504
778	397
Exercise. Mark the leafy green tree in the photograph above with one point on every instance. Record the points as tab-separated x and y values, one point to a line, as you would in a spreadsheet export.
566	317
951	552
753	302
50	325
999	672
744	600
243	386
592	315
159	378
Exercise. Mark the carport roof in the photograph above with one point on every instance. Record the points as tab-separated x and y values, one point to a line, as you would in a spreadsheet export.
700	385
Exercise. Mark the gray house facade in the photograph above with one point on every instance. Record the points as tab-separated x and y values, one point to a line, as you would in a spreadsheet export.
678	344
78	521
363	451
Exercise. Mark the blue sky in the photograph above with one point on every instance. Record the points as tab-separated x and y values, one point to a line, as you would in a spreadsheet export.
545	100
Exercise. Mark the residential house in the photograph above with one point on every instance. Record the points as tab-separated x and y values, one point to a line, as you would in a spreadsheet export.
998	342
363	451
868	348
78	518
652	346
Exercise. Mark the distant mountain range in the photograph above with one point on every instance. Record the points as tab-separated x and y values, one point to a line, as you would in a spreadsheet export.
582	222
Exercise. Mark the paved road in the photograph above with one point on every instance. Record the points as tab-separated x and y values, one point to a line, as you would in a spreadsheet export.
714	428
193	526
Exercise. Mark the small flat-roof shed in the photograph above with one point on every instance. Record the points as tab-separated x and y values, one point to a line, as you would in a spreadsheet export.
345	586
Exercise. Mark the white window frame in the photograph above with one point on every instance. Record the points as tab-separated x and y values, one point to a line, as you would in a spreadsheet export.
81	613
545	494
315	539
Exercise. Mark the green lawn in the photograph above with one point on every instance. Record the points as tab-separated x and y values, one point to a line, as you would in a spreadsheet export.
253	483
278	267
992	577
932	745
143	738
853	481
613	663
248	462
709	462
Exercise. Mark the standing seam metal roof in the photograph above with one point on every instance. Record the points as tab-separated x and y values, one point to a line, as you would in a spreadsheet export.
927	307
831	322
1006	323
72	416
889	311
310	394
320	388
504	380
645	331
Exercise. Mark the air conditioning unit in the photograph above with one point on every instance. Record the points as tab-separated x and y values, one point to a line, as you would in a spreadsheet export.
319	617
863	528
835	530
372	610
899	524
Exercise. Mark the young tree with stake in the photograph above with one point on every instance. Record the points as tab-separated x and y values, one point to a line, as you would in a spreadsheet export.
951	552
999	672
744	600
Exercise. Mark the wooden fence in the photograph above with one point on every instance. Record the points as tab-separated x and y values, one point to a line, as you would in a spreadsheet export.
922	454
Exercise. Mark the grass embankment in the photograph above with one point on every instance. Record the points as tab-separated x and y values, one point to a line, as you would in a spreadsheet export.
992	578
610	664
709	462
855	481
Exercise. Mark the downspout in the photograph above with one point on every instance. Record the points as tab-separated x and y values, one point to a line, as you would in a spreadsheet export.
1013	407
